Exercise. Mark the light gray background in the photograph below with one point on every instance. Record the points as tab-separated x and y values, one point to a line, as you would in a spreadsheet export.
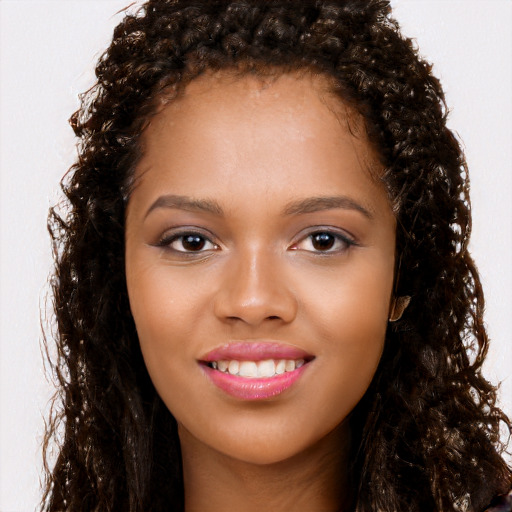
48	49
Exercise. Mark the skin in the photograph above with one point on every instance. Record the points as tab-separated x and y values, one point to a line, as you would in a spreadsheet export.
258	152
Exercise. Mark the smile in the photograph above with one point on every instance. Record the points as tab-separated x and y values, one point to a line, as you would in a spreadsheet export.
267	368
255	370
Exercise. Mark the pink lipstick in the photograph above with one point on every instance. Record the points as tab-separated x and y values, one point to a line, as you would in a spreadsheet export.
255	370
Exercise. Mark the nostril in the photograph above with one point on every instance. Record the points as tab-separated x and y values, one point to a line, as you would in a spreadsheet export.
254	304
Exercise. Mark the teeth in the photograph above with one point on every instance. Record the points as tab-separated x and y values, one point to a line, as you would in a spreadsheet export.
266	368
247	369
233	367
252	369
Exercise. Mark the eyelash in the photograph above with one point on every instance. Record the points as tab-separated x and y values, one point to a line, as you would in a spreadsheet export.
167	241
337	239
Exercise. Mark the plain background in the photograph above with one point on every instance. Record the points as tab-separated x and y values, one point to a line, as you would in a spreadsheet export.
48	50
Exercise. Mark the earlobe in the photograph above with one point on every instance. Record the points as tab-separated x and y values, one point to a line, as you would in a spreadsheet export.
398	307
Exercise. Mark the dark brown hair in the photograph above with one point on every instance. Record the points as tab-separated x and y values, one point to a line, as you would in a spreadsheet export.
427	432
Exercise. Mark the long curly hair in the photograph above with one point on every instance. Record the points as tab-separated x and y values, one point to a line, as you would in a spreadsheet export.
426	435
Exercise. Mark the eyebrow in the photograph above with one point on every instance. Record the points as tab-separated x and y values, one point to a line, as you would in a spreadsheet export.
186	203
302	206
315	204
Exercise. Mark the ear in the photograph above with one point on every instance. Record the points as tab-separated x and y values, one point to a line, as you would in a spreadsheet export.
398	307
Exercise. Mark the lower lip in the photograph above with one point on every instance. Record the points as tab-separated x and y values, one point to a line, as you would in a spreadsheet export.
245	388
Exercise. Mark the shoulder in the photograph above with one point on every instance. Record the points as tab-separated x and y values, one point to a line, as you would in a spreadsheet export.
501	503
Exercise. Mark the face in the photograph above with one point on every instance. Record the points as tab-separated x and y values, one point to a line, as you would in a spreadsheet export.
259	263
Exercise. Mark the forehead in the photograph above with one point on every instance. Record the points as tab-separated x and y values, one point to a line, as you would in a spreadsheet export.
253	145
273	89
298	106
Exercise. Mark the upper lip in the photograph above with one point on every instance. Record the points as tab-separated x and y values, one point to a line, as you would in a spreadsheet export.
255	351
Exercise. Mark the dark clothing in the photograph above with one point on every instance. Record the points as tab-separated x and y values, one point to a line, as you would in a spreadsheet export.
501	503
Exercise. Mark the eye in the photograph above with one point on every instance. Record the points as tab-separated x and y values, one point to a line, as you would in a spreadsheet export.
324	242
187	242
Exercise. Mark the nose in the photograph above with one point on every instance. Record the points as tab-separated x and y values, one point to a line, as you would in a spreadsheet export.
254	289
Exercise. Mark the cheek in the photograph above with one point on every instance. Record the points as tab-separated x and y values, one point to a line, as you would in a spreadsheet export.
351	304
165	313
348	313
163	298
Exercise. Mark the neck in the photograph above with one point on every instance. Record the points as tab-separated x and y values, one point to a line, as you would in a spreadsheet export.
312	481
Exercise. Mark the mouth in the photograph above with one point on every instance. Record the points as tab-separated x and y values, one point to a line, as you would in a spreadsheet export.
255	370
266	368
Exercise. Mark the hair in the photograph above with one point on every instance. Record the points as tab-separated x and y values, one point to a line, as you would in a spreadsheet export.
426	435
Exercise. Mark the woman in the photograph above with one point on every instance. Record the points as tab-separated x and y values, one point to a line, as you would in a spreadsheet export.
263	290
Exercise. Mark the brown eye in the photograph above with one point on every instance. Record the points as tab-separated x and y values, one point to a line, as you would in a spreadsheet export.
187	243
193	242
323	241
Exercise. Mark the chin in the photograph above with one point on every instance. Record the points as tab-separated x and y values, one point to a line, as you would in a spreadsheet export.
266	448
